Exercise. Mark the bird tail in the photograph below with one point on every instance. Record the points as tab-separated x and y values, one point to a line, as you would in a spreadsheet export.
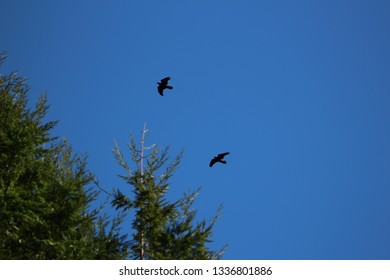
169	87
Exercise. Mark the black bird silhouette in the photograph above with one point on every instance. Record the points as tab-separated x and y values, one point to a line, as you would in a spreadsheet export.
219	158
163	84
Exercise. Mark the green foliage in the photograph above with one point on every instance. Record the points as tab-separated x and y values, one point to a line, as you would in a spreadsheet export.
44	194
184	240
162	230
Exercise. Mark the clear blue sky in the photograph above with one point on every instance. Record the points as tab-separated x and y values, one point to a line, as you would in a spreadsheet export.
297	91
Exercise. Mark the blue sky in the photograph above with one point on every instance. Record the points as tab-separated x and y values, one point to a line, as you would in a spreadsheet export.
297	91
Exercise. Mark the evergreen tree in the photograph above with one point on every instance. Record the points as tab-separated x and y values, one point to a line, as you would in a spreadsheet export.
161	229
45	189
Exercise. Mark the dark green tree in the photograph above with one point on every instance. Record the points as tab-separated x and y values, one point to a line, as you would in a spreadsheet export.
45	189
161	229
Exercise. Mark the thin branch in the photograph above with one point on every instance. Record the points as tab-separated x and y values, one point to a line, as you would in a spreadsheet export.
144	131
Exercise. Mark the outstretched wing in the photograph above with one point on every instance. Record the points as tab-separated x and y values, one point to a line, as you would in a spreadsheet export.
160	90
214	160
165	80
221	156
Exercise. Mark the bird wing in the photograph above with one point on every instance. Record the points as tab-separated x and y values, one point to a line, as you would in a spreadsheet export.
214	160
165	80
160	90
221	156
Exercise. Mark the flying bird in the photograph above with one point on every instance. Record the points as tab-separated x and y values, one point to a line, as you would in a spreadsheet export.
219	158
163	84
